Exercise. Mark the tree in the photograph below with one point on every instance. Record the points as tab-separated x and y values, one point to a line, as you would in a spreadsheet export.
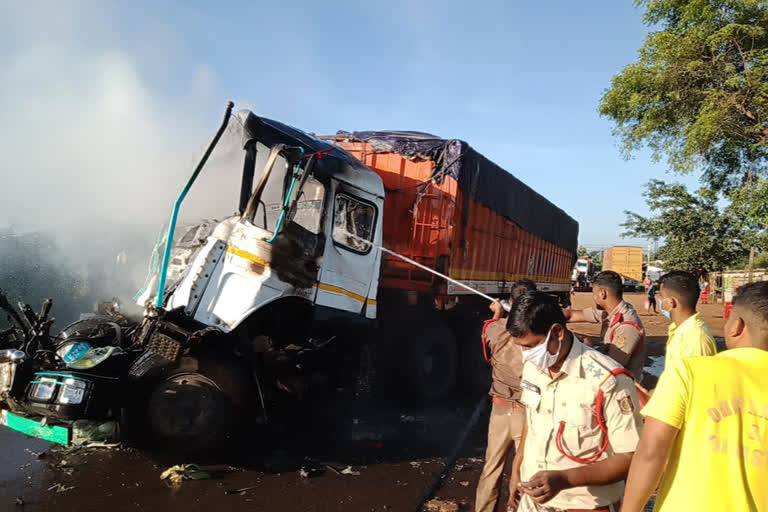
699	92
695	231
597	259
581	252
749	209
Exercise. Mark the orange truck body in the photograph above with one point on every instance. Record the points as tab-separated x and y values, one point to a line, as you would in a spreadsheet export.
437	224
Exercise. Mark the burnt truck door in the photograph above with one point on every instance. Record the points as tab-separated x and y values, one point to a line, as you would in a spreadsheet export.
349	272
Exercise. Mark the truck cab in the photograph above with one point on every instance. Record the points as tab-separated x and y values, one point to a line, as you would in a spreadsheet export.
306	232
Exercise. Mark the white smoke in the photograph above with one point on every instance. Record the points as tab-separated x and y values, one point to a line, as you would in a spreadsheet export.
94	150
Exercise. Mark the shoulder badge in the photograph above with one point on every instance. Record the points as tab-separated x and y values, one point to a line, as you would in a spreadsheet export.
621	341
625	405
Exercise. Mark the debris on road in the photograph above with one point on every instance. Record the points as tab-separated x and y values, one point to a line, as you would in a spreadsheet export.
464	483
349	471
37	455
240	491
437	505
91	433
311	471
19	502
60	487
416	464
177	474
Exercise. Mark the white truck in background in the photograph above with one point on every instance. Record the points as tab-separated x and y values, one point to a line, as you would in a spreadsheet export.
583	273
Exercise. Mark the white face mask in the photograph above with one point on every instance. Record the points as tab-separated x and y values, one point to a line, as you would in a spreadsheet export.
539	356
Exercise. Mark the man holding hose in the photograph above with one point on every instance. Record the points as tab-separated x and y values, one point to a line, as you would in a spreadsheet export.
507	415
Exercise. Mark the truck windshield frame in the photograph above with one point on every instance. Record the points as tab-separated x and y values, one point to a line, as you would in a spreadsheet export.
340	232
268	200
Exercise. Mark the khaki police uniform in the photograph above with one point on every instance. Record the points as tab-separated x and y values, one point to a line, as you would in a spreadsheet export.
505	426
623	329
569	398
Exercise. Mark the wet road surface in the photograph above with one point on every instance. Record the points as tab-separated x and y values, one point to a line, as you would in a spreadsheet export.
397	454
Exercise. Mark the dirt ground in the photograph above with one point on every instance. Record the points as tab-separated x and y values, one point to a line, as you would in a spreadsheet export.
394	456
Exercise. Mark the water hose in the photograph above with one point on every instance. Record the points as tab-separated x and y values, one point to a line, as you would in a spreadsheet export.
451	460
177	206
504	304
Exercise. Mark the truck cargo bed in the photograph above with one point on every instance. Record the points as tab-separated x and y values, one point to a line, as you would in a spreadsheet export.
450	208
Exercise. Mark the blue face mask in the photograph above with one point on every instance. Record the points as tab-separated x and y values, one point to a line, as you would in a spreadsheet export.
664	311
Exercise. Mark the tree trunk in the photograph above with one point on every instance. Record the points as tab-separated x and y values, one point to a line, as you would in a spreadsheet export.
751	265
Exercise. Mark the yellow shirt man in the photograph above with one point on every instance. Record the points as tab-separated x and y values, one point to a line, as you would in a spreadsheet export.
690	338
705	439
720	458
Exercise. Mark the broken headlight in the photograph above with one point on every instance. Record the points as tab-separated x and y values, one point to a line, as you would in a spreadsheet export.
42	390
72	392
57	390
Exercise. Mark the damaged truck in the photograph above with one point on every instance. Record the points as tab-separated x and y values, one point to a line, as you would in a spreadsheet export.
303	288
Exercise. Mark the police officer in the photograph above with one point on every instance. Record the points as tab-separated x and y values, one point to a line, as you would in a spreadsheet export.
582	416
623	334
505	425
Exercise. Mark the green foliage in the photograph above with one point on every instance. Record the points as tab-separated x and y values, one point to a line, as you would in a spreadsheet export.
597	259
761	260
749	209
695	231
581	252
698	93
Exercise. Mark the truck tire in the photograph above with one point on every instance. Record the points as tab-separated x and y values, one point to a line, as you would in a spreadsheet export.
198	404
432	361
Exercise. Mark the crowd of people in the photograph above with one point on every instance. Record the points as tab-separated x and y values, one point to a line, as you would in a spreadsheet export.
587	436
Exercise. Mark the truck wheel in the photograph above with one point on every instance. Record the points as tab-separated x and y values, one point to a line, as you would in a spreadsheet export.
198	404
432	362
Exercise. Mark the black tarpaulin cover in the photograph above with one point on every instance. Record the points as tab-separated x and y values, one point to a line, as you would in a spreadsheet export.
482	179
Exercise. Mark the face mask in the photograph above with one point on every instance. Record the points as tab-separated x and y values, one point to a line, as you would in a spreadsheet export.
664	311
540	357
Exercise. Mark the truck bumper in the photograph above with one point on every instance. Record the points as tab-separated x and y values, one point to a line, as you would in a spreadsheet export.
34	428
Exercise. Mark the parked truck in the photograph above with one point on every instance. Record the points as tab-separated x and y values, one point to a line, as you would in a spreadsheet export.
627	262
583	273
293	292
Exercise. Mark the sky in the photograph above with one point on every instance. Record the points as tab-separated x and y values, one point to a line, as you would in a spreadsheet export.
106	106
